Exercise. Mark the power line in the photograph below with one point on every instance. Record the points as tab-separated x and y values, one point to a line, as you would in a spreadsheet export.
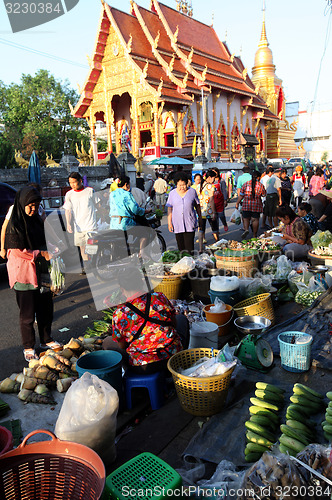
43	54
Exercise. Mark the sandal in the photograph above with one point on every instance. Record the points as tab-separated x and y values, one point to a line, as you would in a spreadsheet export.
51	345
29	354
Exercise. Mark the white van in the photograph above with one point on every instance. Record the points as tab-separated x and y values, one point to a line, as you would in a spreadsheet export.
279	161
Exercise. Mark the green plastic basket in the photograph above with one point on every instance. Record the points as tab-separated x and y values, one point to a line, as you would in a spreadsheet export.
145	476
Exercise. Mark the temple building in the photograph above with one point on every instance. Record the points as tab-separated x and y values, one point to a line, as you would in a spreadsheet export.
280	134
158	75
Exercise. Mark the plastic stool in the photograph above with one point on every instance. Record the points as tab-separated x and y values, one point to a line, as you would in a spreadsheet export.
154	382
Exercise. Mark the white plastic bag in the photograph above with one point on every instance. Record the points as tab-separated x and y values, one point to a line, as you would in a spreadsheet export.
224	283
57	274
219	306
184	265
284	267
88	416
307	294
204	261
250	287
236	217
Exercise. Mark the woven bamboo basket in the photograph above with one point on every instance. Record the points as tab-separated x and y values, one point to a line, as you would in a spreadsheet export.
320	260
170	285
243	265
260	305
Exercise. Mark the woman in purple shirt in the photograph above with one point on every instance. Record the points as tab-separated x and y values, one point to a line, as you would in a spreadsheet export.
182	206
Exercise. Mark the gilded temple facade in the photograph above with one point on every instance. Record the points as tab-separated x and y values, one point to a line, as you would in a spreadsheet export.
150	72
280	134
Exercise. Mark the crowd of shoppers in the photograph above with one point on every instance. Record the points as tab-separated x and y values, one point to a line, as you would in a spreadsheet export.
280	198
271	196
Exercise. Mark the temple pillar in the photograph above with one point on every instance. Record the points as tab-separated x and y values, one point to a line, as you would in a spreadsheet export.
156	128
181	133
199	107
93	140
229	129
110	122
118	148
135	143
214	121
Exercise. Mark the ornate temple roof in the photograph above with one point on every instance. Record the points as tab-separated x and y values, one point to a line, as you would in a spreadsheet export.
176	55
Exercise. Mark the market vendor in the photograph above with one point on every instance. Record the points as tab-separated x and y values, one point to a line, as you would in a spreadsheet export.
319	203
146	330
325	221
296	233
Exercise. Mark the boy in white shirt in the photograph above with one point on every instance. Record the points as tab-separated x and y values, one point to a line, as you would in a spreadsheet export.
80	212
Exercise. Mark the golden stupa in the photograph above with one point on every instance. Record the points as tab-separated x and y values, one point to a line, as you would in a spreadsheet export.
280	135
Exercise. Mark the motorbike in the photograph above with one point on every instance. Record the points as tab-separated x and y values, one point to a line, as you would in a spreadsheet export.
111	250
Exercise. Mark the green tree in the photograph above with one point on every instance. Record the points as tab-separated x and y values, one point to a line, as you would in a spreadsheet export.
102	145
6	153
36	115
324	156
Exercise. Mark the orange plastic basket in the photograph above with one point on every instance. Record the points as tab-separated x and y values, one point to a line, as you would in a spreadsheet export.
51	470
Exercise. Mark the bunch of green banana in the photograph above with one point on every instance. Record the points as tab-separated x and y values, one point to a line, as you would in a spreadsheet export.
298	431
263	422
327	423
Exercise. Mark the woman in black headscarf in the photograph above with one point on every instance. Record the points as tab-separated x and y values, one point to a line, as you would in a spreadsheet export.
27	259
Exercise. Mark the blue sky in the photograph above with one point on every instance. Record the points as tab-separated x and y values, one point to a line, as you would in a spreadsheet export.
297	30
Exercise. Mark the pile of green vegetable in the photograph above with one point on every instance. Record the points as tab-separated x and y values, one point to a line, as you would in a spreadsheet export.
321	239
261	244
298	431
57	276
327	423
159	213
306	298
229	252
101	328
264	420
173	256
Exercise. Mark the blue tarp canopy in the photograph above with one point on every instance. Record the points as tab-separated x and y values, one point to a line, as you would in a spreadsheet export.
34	169
156	160
174	160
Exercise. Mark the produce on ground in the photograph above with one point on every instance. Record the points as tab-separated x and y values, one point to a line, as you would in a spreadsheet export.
276	476
4	408
327	423
306	298
263	422
299	430
52	370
